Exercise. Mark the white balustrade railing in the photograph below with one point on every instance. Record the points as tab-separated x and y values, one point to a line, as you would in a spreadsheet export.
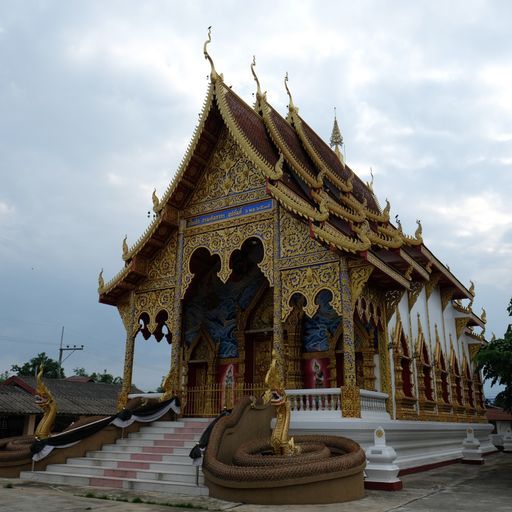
328	400
312	400
373	404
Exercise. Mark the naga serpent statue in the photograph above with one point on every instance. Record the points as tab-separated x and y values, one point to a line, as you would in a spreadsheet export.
247	461
44	399
281	443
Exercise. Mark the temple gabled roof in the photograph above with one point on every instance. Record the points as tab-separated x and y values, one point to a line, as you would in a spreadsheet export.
305	176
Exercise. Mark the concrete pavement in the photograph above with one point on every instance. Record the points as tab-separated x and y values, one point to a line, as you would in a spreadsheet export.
457	487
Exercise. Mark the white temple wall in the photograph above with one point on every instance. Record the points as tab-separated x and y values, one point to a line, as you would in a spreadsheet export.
449	322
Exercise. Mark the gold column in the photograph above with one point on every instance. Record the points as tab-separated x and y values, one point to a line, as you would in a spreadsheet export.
122	399
176	359
350	400
278	344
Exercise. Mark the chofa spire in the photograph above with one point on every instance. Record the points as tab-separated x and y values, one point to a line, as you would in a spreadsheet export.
337	139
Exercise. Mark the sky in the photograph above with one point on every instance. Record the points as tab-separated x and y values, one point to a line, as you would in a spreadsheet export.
99	99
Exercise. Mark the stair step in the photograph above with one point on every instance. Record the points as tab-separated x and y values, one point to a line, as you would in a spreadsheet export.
114	483
138	474
153	459
179	467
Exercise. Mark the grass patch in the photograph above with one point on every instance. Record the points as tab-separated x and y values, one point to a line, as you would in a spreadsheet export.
136	499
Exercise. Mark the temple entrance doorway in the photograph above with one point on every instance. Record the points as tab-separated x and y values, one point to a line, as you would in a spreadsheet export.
257	356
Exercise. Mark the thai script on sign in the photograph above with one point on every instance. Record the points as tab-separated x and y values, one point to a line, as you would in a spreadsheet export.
240	211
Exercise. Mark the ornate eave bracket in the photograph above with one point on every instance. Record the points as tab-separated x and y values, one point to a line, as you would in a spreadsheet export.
460	325
392	299
359	275
414	293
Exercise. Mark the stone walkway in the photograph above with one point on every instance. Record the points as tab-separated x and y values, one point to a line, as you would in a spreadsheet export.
454	488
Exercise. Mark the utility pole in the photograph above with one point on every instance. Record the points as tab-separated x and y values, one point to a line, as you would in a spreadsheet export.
63	349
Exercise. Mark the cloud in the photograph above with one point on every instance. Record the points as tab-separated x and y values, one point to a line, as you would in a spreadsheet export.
99	101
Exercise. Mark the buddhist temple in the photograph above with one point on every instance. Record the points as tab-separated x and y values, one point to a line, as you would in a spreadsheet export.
266	239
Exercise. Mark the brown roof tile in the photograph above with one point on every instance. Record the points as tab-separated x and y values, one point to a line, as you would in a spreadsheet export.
252	126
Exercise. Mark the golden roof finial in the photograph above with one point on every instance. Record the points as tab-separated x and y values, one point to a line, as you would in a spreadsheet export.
213	74
493	336
156	202
259	94
337	139
125	246
387	208
397	220
472	293
483	316
419	229
291	106
370	185
101	281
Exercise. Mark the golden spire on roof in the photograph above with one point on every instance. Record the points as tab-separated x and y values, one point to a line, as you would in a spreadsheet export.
337	139
213	74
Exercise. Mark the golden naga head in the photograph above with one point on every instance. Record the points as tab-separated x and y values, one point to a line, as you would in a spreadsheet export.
43	398
275	393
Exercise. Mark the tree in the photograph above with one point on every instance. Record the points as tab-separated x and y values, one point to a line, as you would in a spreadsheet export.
106	378
30	368
495	359
4	376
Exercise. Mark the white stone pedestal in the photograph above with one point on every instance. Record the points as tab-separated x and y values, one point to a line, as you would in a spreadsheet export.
471	453
507	441
381	471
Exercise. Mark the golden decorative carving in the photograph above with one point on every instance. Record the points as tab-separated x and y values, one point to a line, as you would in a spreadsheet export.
151	303
432	284
460	325
223	241
336	238
414	293
483	316
473	349
125	312
295	238
446	296
392	299
229	172
373	308
350	402
359	275
44	400
343	212
309	281
408	273
162	269
292	202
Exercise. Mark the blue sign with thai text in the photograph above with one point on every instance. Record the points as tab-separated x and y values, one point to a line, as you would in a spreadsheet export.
240	211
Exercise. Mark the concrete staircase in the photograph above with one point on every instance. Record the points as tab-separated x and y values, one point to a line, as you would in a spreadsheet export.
153	459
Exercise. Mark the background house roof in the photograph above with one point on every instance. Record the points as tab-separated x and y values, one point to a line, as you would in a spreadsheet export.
72	397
